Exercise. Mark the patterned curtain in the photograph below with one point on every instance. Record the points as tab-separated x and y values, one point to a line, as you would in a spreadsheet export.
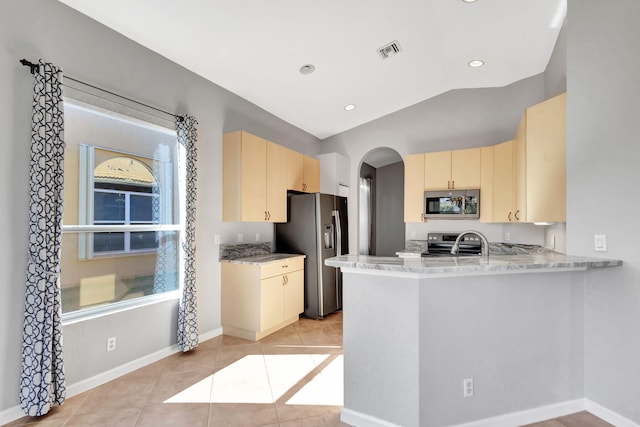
188	311
42	383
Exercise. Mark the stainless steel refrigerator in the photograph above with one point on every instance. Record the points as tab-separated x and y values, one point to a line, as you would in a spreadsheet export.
317	227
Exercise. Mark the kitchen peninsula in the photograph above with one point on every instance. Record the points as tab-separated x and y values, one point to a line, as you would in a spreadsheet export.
415	328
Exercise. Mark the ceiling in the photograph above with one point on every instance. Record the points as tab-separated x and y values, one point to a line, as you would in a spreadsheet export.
255	48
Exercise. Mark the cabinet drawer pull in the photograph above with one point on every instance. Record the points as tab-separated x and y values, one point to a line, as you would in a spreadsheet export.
285	266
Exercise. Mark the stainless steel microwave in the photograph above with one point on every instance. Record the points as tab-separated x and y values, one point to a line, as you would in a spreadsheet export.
452	204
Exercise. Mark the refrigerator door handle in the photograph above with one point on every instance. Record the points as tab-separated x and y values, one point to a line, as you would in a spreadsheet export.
336	215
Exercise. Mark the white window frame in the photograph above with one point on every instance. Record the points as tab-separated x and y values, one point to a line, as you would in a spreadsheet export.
104	103
86	193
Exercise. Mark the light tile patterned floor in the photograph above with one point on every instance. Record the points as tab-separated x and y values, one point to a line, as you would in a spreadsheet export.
292	378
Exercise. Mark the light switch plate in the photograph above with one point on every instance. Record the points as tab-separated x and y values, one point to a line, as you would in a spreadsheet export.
600	242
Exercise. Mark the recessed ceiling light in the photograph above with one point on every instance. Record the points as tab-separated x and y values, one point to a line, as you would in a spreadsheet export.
349	107
469	1
476	63
307	69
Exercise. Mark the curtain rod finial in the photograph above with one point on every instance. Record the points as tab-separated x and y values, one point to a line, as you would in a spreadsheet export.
34	68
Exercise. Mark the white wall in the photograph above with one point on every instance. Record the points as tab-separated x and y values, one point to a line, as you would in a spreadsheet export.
603	153
92	53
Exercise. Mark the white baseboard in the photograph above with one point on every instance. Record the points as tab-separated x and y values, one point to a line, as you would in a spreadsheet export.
11	414
359	419
16	412
528	416
608	415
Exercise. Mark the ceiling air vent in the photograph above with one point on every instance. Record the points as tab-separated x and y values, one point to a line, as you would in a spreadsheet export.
390	49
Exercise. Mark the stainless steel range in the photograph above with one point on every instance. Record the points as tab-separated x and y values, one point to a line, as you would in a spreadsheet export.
440	244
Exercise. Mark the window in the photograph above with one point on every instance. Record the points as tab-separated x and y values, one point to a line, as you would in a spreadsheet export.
121	220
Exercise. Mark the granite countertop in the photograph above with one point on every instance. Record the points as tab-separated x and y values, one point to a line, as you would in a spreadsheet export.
258	253
471	264
261	259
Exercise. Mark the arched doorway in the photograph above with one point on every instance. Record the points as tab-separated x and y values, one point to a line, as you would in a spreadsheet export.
381	203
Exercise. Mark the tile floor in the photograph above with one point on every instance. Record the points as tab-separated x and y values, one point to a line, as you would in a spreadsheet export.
291	378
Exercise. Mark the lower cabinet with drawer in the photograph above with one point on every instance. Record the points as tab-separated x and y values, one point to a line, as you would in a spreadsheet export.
260	298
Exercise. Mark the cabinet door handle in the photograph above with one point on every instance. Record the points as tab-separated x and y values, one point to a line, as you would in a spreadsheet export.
516	215
453	185
284	280
509	216
268	215
265	215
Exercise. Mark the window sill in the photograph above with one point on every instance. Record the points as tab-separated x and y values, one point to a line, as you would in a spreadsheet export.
117	307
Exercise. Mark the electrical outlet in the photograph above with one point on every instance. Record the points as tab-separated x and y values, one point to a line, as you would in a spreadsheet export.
257	237
553	241
216	239
506	237
467	387
240	237
600	242
111	344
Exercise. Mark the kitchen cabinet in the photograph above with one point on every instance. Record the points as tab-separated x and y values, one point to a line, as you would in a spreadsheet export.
303	172
448	170
253	179
540	163
486	184
502	202
529	171
276	183
414	169
259	299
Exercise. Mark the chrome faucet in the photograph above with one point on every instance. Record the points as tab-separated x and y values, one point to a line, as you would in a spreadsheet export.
484	248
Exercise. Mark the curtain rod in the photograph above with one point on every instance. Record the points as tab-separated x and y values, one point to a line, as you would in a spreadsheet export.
35	68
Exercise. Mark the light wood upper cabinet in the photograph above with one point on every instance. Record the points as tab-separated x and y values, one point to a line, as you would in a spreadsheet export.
311	174
276	183
529	172
414	168
256	175
448	170
486	184
303	172
253	179
502	203
295	168
545	154
437	170
465	169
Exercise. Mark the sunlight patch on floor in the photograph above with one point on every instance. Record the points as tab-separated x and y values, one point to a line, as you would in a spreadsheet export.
324	389
266	378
